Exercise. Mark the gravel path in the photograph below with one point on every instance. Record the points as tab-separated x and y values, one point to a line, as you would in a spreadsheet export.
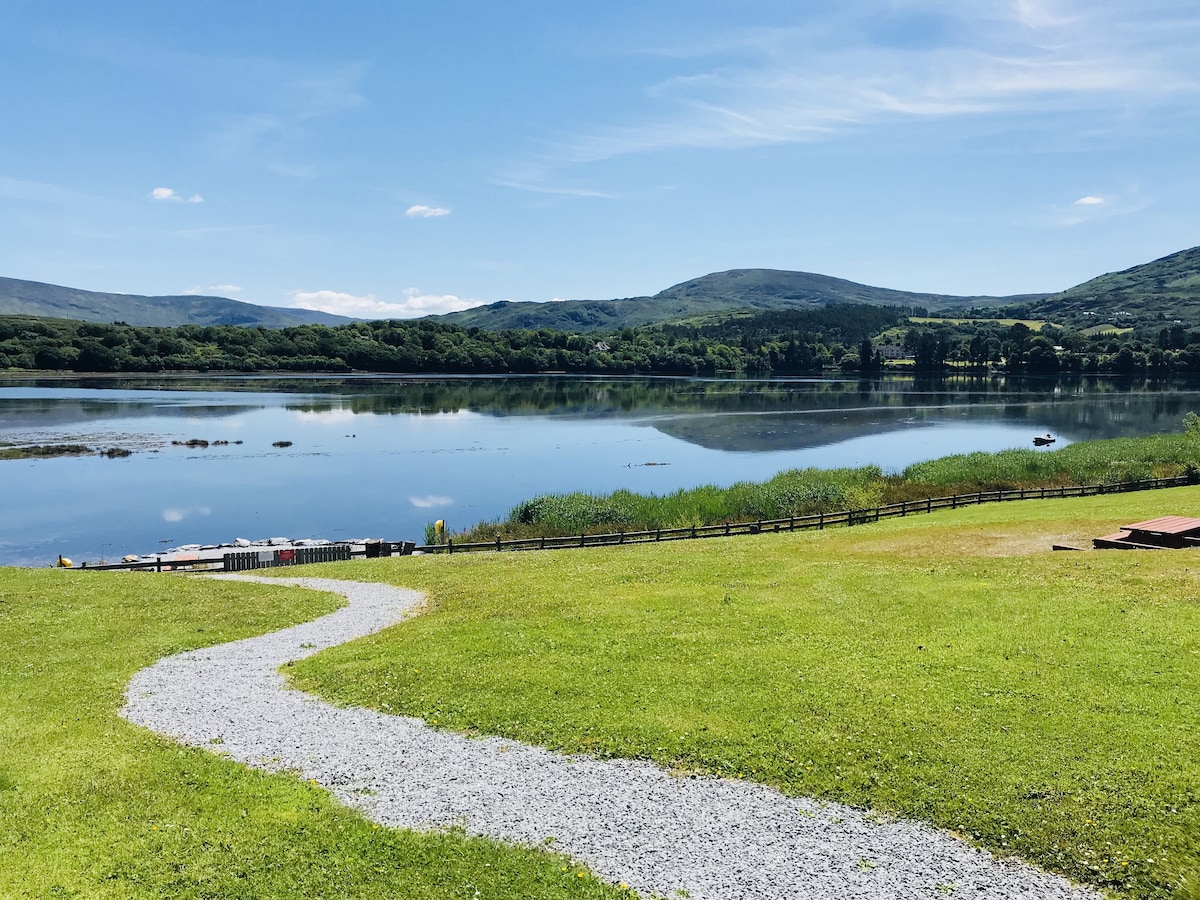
628	821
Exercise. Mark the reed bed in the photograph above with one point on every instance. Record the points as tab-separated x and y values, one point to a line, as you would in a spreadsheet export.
803	492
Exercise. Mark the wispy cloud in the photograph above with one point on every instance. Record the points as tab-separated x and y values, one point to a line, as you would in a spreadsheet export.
285	104
1089	201
420	211
170	195
36	191
369	306
528	178
1041	14
814	82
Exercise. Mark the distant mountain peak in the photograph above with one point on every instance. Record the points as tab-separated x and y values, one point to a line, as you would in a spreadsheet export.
35	298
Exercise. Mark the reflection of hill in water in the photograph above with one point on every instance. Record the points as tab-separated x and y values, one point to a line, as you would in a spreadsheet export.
1079	419
766	432
26	413
721	414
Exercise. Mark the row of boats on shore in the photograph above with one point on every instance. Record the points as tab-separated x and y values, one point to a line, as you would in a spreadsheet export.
214	552
198	555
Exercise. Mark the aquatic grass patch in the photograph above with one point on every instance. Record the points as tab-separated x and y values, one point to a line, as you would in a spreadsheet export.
804	492
1089	462
946	667
42	451
796	492
95	807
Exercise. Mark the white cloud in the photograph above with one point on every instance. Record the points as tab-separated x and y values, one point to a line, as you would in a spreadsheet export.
213	290
430	502
1123	202
170	194
371	307
426	212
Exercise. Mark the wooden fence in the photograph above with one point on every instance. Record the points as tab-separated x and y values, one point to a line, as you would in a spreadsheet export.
844	518
269	557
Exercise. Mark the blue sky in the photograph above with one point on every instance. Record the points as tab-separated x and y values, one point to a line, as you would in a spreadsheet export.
395	159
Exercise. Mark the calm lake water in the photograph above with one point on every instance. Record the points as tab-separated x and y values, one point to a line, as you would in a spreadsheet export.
382	457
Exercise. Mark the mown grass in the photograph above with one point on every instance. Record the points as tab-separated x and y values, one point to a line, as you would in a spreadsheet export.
947	668
93	807
802	492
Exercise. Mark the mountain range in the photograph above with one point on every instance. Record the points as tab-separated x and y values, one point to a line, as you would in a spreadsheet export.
32	298
757	289
1165	289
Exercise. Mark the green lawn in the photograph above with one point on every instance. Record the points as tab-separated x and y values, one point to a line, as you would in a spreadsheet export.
946	667
93	807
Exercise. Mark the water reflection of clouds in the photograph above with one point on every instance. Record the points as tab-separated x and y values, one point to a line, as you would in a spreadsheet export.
178	515
430	502
325	416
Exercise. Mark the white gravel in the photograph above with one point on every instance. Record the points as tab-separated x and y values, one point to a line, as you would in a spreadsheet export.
628	821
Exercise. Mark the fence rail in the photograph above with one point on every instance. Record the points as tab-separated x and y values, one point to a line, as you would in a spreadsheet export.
843	518
270	558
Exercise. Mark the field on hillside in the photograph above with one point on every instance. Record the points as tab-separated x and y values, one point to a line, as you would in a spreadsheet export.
948	668
93	807
1103	329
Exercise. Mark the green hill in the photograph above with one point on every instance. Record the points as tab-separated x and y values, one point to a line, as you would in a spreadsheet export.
32	298
762	289
1167	288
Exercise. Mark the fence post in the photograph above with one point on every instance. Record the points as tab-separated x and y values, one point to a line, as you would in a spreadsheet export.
928	504
821	522
450	544
497	543
954	501
658	533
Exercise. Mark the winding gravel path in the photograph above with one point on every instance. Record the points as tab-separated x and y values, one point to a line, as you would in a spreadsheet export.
629	821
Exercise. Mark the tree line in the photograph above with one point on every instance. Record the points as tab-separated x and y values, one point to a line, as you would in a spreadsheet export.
849	337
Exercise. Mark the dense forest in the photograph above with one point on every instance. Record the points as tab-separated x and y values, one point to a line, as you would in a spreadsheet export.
849	337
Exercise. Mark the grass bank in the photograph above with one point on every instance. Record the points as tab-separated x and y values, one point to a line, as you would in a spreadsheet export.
803	492
947	668
93	807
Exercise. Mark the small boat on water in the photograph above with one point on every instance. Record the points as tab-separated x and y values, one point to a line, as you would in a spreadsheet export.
1040	441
